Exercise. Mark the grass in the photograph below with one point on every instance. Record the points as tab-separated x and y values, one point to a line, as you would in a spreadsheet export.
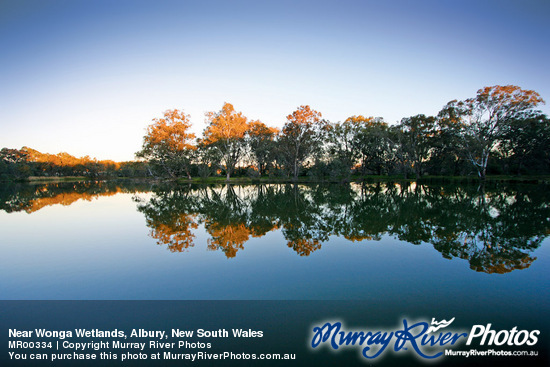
57	178
535	179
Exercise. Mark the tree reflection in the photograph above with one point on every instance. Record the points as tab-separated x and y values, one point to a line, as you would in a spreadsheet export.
177	234
228	238
493	228
15	197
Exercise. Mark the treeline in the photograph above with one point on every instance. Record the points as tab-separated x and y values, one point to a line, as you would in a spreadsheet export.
498	131
20	164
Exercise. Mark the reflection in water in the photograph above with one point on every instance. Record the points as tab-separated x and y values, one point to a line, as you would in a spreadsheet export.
494	229
176	234
15	197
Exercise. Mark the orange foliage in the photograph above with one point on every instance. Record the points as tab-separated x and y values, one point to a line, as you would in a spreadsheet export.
170	131
365	121
502	265
177	235
65	199
258	128
64	159
511	95
225	124
229	239
304	246
304	115
359	238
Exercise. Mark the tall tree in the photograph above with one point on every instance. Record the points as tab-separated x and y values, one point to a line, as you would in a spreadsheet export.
261	143
360	141
225	132
372	143
168	144
299	138
342	145
527	143
483	119
447	155
419	133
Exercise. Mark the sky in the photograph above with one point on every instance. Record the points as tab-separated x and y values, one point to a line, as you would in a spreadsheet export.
88	77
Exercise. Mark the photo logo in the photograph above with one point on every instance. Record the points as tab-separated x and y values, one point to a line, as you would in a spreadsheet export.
426	340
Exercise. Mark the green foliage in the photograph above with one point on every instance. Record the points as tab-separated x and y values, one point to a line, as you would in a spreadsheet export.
168	145
497	132
494	228
483	121
418	134
300	138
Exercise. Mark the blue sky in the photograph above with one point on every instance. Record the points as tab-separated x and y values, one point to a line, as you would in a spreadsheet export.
87	77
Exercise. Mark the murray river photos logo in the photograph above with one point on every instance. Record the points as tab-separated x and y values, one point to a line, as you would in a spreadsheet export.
426	340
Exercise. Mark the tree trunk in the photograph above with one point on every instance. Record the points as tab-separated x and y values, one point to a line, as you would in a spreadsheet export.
417	170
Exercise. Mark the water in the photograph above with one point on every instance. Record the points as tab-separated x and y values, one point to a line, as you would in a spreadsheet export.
388	243
368	255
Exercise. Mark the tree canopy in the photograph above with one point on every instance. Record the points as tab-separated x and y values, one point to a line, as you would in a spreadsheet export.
483	119
299	138
225	132
168	144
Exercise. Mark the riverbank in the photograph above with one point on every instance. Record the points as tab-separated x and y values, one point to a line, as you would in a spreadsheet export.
33	179
371	179
542	179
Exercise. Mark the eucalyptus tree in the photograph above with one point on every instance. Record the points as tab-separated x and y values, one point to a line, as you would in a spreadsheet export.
300	138
342	143
482	120
168	144
527	144
447	156
226	132
261	143
360	142
418	133
373	144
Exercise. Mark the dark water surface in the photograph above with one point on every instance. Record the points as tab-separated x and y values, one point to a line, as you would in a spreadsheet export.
417	245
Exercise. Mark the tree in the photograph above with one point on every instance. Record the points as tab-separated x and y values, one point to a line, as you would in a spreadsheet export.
209	159
342	147
168	143
527	142
446	157
483	119
261	143
299	138
14	163
226	132
361	141
419	132
399	154
372	143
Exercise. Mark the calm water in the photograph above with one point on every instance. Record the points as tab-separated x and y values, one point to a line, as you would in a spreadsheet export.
389	243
